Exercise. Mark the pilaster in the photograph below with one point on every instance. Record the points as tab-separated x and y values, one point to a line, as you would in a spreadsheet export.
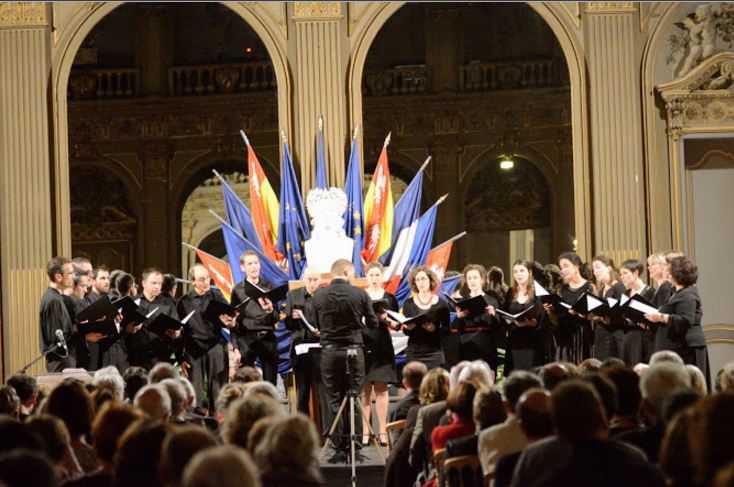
26	182
319	89
617	171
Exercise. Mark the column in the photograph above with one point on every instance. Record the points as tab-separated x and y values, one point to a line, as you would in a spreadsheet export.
617	170
26	185
443	51
320	89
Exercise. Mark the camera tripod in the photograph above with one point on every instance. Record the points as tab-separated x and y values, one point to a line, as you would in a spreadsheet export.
353	396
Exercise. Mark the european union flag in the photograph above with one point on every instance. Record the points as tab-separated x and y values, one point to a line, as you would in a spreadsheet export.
236	244
238	215
321	181
293	228
353	223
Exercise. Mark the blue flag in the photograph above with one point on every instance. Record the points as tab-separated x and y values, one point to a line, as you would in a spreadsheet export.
238	215
419	251
353	223
293	229
236	244
448	285
321	181
407	211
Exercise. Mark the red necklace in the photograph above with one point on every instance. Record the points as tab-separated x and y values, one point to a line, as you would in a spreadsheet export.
427	303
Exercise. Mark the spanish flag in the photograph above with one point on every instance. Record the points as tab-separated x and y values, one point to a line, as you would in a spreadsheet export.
264	205
378	211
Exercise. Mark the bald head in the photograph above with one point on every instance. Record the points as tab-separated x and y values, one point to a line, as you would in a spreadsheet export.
533	412
154	401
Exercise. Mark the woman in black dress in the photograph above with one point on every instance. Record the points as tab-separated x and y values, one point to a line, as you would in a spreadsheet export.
424	341
608	332
572	332
478	332
680	317
635	342
379	354
525	338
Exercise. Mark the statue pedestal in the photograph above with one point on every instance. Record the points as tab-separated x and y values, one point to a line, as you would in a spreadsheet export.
323	253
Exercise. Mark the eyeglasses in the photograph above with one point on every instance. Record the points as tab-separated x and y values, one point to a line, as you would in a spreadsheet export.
421	279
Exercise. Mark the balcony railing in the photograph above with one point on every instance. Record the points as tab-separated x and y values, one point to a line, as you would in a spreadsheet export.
508	76
221	78
396	81
104	84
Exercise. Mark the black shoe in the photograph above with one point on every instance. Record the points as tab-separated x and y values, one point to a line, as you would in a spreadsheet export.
358	457
338	457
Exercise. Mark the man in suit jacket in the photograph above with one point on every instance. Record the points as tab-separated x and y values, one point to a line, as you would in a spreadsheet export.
413	374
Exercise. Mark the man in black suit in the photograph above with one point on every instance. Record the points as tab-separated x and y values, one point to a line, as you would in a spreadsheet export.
306	365
254	335
413	374
206	359
340	310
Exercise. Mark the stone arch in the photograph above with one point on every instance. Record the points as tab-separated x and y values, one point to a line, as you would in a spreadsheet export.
70	38
376	16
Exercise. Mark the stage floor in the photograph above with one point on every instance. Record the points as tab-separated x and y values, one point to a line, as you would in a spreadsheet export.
370	473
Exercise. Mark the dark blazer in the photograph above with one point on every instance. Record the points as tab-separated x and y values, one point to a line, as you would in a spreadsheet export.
299	299
399	410
420	445
683	329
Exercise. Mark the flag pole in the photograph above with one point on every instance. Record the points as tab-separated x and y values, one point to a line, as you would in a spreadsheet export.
244	137
441	199
387	139
321	123
355	131
190	247
428	159
452	239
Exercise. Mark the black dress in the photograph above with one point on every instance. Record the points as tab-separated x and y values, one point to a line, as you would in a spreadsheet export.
525	344
636	344
425	346
574	336
379	354
478	336
664	292
608	338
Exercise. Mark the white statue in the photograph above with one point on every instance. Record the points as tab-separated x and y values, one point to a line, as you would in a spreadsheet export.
328	241
702	33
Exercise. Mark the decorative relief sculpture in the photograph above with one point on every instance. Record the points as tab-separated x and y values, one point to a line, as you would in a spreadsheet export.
711	22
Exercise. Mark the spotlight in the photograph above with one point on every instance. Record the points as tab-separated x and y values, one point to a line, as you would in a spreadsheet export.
507	164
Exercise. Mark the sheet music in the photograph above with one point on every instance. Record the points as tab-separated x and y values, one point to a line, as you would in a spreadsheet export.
540	290
151	313
303	348
396	316
305	321
188	316
137	301
639	306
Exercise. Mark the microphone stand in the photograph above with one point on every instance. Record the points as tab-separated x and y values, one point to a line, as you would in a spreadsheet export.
27	366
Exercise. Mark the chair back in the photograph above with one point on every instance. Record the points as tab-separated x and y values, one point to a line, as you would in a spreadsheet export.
464	471
393	432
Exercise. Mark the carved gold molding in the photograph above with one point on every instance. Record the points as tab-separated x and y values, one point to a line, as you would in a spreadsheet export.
23	14
317	10
610	7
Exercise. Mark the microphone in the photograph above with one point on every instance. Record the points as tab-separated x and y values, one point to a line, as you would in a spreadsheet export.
62	341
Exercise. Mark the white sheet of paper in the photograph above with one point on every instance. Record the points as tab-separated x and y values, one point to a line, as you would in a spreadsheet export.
396	316
612	302
592	303
540	290
188	316
137	301
305	347
634	304
151	313
305	321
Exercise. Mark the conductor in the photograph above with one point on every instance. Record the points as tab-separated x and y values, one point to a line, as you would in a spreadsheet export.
340	311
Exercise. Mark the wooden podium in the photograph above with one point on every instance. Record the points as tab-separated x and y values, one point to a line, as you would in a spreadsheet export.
47	382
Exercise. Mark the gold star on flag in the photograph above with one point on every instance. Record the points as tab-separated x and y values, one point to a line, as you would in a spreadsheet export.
357	231
357	215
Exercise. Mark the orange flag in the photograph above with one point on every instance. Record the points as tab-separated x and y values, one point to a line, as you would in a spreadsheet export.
219	271
264	206
438	260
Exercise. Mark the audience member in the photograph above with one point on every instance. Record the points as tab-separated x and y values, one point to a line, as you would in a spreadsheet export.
162	370
15	435
27	389
710	436
177	393
675	453
665	356
506	438
134	378
606	390
579	420
627	383
698	380
25	468
243	414
221	466
429	417
9	402
554	373
57	445
138	454
178	449
109	378
590	365
413	373
478	372
155	402
247	374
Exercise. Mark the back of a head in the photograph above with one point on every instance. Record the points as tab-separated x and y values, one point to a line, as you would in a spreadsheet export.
577	411
169	282
228	395
659	381
9	401
139	451
413	374
678	401
461	399
533	413
290	445
135	378
154	401
262	387
70	401
607	392
434	386
553	374
26	468
109	425
53	435
247	374
25	386
590	365
698	380
726	377
243	414
109	380
160	371
455	372
479	372
516	384
178	449
178	395
665	356
710	434
610	362
15	435
340	267
487	408
221	466
627	383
